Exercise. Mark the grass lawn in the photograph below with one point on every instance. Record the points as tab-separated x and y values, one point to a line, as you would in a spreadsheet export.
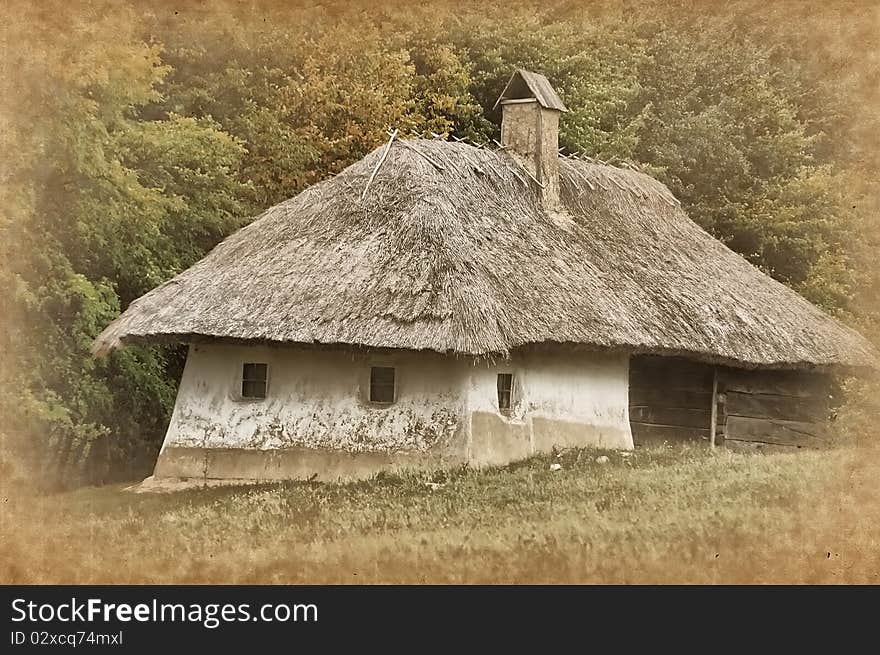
674	514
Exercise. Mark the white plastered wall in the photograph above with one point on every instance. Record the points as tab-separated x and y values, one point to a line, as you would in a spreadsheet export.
445	406
560	400
316	399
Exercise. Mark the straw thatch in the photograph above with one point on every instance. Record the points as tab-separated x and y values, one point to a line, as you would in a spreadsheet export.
451	251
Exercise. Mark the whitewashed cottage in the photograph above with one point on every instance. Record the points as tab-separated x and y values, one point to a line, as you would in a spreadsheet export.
438	303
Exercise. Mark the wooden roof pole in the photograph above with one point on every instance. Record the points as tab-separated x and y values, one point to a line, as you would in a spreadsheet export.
379	164
714	413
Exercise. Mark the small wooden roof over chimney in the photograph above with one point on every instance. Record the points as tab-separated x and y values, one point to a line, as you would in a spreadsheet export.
525	84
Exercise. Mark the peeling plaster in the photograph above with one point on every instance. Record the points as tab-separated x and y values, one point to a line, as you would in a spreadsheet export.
446	407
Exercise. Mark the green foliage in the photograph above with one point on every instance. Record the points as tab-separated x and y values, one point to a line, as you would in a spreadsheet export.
134	141
308	94
105	206
857	419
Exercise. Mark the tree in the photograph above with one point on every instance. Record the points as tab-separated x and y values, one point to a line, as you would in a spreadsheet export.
135	139
100	207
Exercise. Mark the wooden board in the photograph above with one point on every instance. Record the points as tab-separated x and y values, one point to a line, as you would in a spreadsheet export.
644	434
795	433
651	379
670	399
782	383
673	398
690	418
770	406
669	373
784	409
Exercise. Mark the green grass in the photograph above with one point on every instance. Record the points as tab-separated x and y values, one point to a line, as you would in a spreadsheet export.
677	514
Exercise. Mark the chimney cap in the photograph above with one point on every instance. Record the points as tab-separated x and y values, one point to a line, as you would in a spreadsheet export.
525	84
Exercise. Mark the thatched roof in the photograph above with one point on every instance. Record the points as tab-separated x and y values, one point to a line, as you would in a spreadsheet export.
451	251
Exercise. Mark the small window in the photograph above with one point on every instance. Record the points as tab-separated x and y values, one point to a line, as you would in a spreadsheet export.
381	384
253	380
505	391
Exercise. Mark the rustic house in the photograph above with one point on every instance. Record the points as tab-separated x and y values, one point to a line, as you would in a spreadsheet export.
438	303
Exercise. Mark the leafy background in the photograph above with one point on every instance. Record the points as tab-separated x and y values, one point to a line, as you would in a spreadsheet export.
137	135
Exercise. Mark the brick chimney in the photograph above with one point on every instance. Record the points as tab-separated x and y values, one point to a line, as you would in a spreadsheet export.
530	129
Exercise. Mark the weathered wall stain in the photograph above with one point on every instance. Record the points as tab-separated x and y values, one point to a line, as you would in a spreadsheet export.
314	400
560	400
316	413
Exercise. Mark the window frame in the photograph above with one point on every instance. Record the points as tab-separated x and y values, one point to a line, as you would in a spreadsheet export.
382	403
509	391
242	380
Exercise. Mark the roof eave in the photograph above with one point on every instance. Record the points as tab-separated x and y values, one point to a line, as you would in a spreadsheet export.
843	368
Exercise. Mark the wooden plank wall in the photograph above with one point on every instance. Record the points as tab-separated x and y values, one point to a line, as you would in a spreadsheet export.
670	399
774	409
